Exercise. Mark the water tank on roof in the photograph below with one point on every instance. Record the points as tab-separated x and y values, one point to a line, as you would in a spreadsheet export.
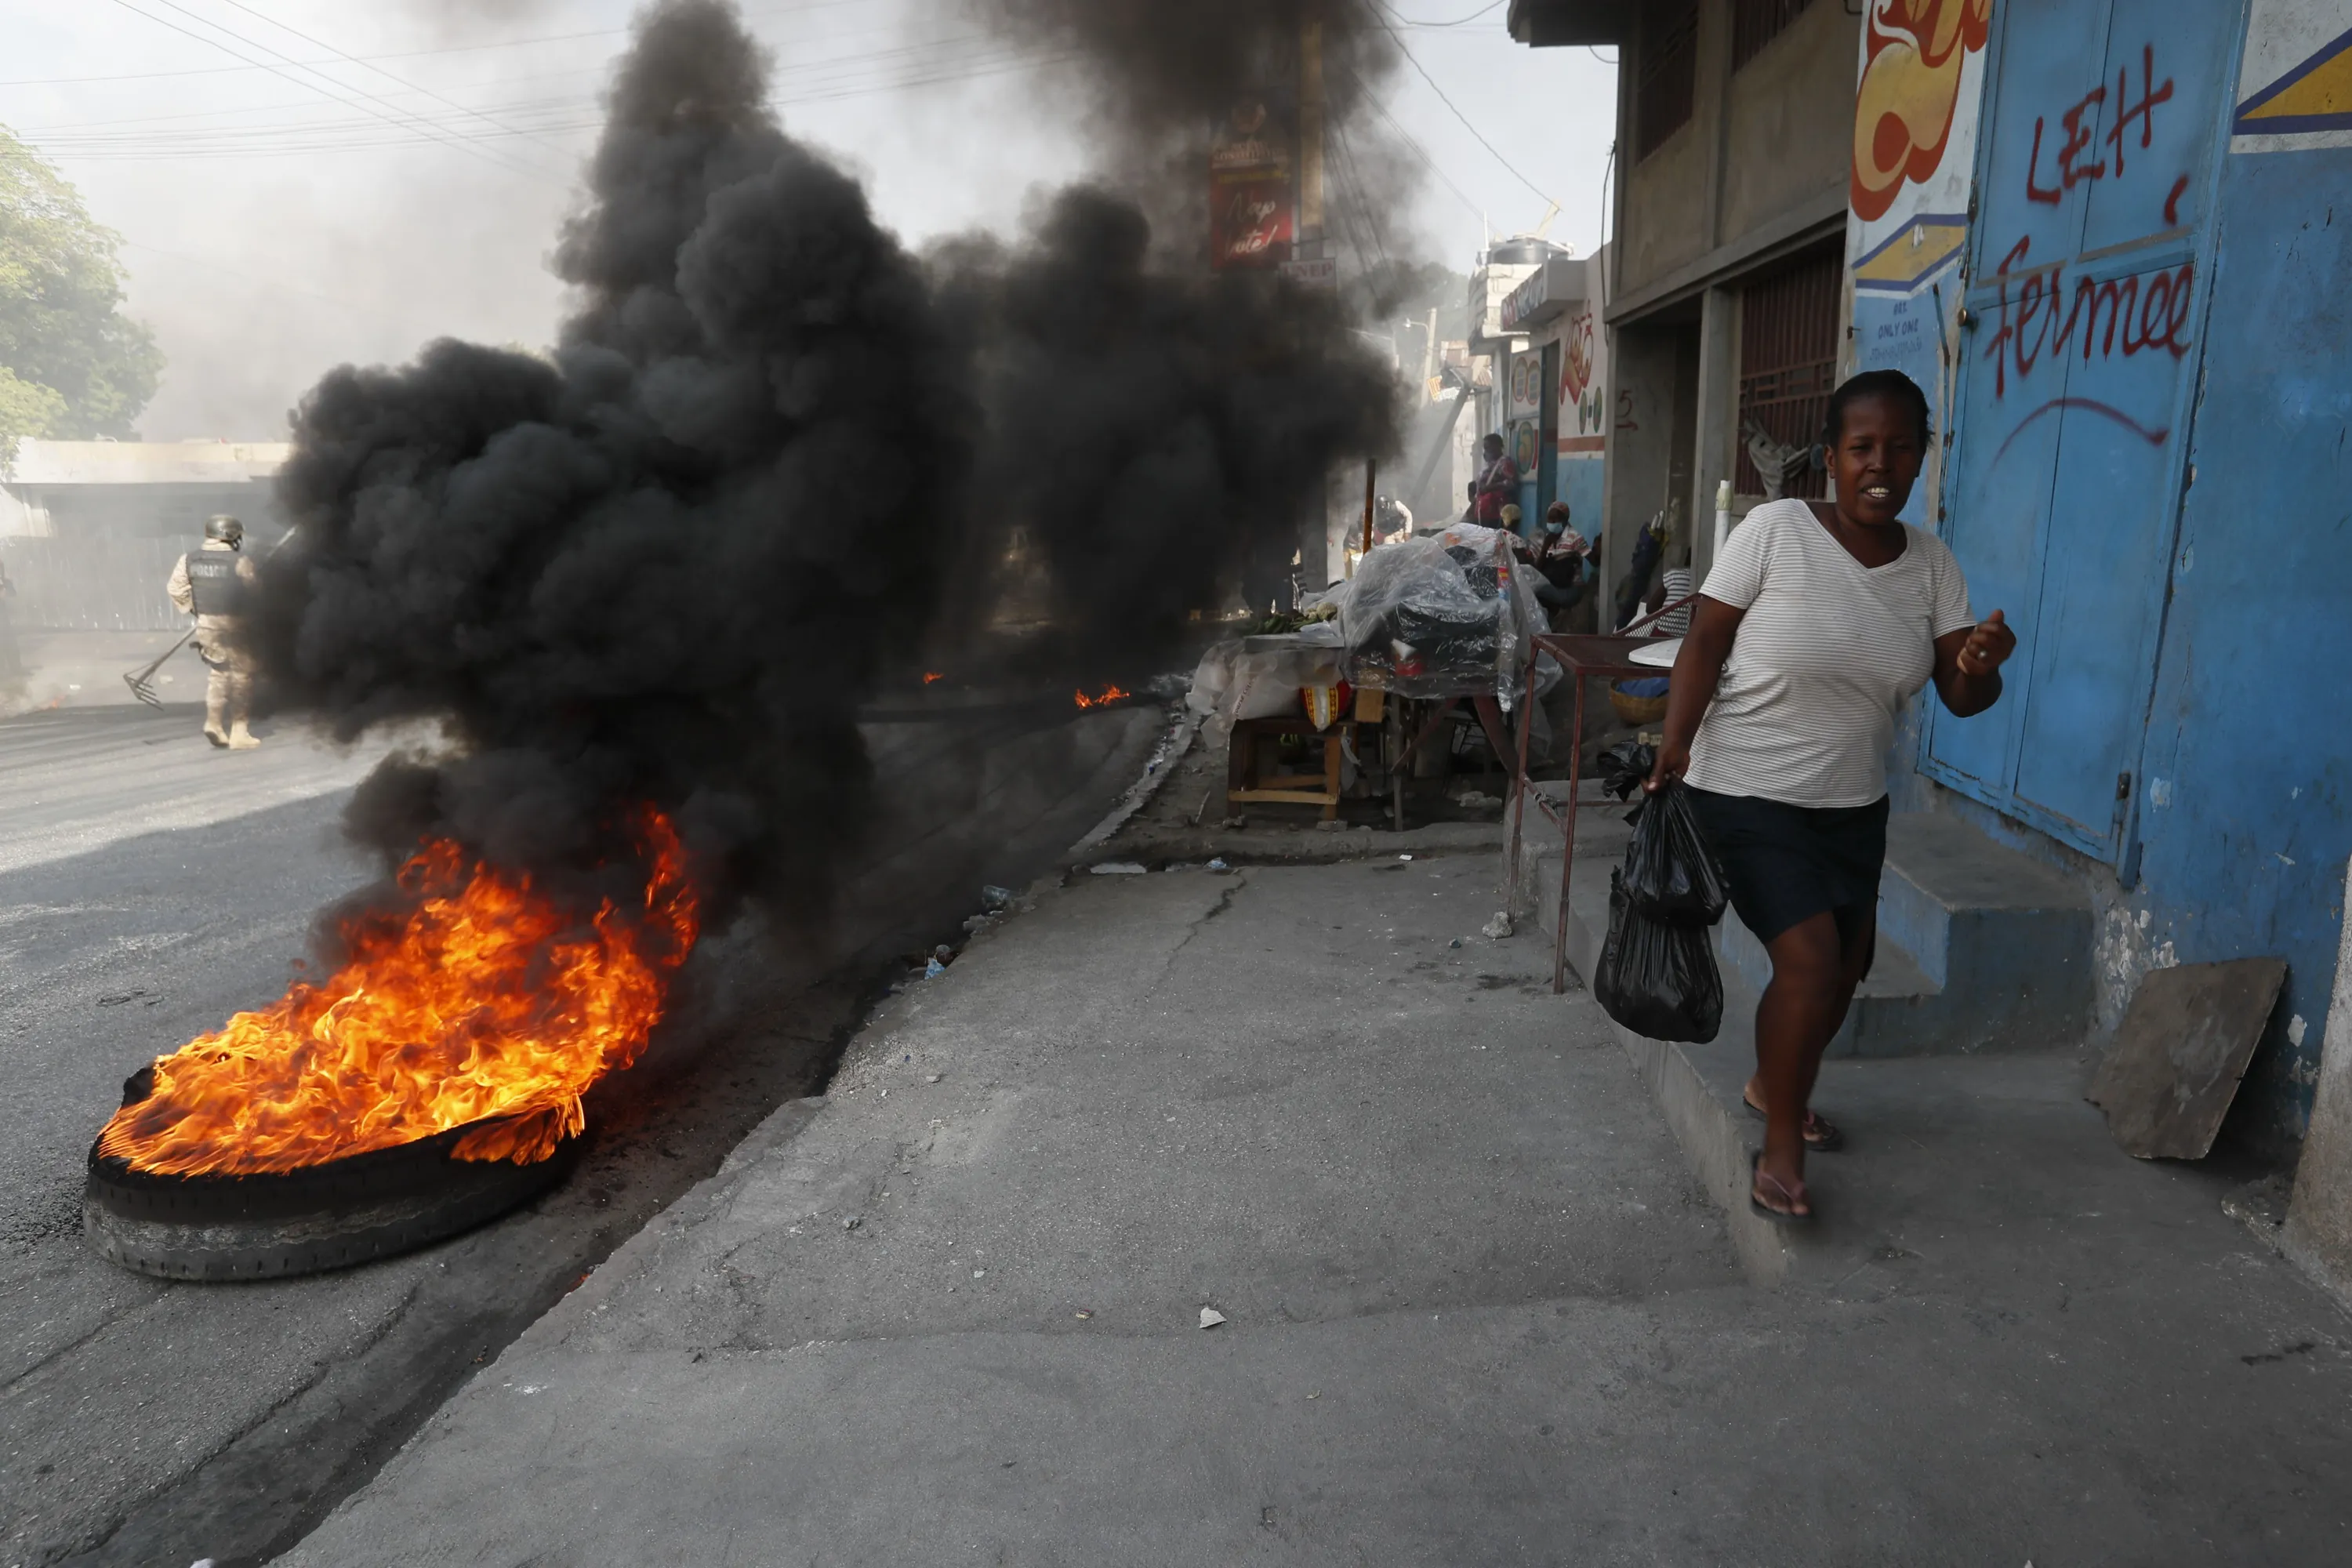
1523	251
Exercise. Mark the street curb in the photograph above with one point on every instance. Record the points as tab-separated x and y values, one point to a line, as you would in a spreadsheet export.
1309	847
1716	1140
1698	1089
1156	772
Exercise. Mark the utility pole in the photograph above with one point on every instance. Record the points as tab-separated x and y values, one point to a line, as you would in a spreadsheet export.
1310	135
1315	536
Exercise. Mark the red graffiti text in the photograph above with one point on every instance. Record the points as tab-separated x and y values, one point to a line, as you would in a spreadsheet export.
2073	167
2130	315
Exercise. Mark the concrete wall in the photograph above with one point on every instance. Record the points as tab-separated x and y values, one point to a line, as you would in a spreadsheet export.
20	517
1649	368
1666	223
1667	215
1760	142
1765	146
1789	118
2319	1217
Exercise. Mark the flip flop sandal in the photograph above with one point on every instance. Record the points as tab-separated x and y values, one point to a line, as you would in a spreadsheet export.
1757	1173
1821	1135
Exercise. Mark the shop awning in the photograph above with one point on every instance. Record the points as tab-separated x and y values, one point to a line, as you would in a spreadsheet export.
1549	289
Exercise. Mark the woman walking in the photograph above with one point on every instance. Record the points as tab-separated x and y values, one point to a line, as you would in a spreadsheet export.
1817	622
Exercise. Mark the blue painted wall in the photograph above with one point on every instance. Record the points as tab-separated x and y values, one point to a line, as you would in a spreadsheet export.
2245	840
1581	479
1902	331
2242	821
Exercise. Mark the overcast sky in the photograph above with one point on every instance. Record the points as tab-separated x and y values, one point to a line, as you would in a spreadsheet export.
279	218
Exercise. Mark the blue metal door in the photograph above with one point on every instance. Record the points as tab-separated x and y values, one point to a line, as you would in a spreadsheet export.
2075	389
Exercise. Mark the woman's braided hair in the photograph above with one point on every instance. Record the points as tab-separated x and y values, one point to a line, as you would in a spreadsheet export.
1890	385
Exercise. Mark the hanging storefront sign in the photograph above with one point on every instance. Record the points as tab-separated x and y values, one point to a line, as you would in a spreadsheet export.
1526	444
1583	428
1252	205
1916	108
1525	396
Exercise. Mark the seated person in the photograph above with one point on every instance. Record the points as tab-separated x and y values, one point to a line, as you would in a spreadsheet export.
1562	560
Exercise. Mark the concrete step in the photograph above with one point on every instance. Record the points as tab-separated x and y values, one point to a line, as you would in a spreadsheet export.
1935	1143
1895	993
1894	1008
1979	949
2006	940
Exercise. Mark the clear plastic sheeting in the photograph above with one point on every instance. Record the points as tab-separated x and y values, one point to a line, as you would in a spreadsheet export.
1262	676
1450	614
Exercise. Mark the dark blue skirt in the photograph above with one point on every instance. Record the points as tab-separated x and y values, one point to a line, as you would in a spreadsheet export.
1788	863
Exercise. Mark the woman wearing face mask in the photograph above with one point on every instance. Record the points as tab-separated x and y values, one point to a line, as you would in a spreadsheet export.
1561	560
1819	618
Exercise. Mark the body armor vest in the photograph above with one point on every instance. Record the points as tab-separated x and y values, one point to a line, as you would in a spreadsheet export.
215	584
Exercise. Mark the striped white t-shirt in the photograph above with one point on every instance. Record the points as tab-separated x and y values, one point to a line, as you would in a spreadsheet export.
1826	652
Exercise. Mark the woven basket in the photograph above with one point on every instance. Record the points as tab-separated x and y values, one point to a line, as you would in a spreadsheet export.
1637	710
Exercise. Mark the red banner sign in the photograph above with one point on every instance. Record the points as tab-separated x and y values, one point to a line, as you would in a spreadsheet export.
1252	206
1250	223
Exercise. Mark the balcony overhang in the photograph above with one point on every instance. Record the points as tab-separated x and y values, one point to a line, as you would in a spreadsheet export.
1554	23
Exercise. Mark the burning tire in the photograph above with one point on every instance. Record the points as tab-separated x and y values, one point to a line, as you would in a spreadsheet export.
328	1216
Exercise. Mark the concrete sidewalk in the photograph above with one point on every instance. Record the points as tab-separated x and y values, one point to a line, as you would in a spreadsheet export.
1476	1310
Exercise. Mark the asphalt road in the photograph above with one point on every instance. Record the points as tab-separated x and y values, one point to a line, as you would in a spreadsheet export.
149	887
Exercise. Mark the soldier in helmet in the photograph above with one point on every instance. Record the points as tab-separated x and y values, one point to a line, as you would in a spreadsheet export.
211	583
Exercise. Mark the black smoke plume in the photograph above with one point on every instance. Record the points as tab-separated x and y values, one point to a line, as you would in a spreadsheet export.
663	565
1161	434
773	465
1158	77
1155	439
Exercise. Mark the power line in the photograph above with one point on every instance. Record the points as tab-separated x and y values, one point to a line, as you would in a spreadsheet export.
1373	6
1349	222
419	120
320	43
240	71
342	136
933	61
829	68
1457	22
396	55
1413	142
1355	171
215	43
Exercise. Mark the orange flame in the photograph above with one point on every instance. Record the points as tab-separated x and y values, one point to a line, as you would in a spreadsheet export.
486	1002
1107	694
931	677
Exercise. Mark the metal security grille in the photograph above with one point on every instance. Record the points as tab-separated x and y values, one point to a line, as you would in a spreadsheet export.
1788	364
109	583
1666	75
1756	23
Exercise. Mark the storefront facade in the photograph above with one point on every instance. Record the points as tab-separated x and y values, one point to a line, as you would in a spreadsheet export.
1557	402
2136	343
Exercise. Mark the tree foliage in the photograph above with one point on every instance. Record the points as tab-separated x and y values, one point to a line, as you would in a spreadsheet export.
72	366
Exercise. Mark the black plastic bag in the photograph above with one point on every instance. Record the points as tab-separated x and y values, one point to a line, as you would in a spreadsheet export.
1658	980
1624	767
1670	871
